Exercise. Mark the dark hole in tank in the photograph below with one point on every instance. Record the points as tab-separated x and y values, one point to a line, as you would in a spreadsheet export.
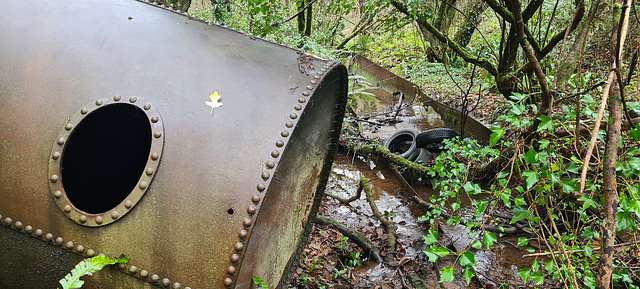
105	157
230	211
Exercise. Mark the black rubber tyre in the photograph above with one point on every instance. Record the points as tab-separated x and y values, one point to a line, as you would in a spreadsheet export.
421	156
432	139
402	142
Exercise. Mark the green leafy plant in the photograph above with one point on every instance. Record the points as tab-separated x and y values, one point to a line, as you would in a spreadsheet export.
88	267
260	283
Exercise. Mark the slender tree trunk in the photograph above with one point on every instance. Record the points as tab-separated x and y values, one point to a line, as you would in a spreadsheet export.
610	158
300	18
307	28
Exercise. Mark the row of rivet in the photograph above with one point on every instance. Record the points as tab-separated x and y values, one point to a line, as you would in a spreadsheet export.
266	175
80	249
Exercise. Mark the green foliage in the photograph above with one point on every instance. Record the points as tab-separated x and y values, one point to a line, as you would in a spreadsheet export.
259	283
88	267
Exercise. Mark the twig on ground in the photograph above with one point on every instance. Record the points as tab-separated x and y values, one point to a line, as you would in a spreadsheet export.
389	226
353	198
355	236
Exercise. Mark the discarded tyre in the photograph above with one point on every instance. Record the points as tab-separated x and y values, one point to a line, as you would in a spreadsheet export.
402	142
197	151
421	156
432	139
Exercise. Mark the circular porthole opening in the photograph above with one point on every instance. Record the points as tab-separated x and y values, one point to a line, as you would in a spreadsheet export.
105	157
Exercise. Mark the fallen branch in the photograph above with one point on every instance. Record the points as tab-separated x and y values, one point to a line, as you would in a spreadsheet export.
355	236
353	198
388	225
596	248
380	150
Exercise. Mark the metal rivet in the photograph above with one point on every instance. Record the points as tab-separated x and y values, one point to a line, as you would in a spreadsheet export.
297	107
242	234
67	208
324	69
247	222
228	282
270	164
265	175
99	220
238	246
154	119
28	229
133	269
317	76
284	133
18	225
306	93
79	248
143	185
313	81
133	99
302	100
251	209
59	241
234	258
261	187
54	178
114	215
61	141
122	267
231	270
275	154
155	277
99	102
144	273
166	282
117	98
293	115
279	143
48	237
177	285
154	156
8	221
128	204
288	124
147	106
255	199
309	87
39	233
57	194
91	253
55	155
82	219
84	110
149	171
68	126
157	134
69	245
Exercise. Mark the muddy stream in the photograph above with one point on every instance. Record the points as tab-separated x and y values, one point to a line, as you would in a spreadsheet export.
394	197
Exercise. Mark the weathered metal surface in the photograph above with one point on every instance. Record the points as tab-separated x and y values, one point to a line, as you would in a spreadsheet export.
210	195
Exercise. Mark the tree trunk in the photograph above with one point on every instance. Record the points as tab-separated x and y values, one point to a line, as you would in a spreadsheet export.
464	34
307	28
301	22
441	22
571	57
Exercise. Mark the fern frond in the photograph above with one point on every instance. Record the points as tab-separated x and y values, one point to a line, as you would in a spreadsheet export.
88	267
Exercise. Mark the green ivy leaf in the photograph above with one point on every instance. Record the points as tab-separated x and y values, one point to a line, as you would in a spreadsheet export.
467	259
569	185
497	134
525	274
519	201
472	188
530	177
588	202
489	239
506	197
520	214
476	244
447	274
468	274
455	206
261	284
522	241
635	133
544	143
624	220
435	252
530	156
431	237
537	277
545	124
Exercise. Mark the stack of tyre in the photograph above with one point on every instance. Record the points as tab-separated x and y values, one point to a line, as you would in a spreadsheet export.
416	146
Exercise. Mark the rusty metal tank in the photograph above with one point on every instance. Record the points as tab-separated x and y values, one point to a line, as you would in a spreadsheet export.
197	151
